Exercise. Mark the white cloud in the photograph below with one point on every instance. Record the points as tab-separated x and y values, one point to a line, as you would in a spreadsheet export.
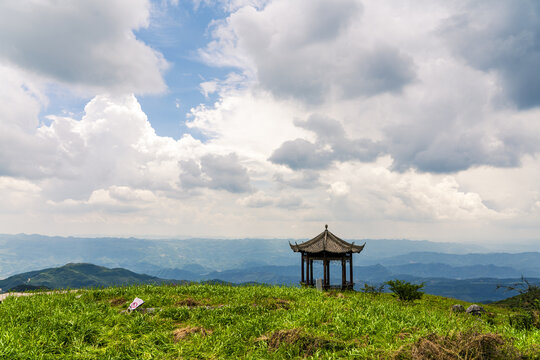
387	79
216	172
261	199
365	118
309	50
88	45
17	195
250	123
339	188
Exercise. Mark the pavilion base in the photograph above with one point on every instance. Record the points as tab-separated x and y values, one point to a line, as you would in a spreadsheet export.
346	286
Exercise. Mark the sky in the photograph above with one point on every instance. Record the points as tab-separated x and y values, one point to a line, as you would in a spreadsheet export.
270	118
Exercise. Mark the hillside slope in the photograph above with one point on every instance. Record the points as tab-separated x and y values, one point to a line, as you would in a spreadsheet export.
252	322
77	276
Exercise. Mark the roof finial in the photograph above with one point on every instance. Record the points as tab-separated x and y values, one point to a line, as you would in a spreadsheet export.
326	226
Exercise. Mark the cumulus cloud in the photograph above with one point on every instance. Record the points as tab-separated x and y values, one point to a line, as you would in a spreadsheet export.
114	199
112	144
374	191
387	125
503	37
303	179
301	154
21	101
249	123
261	199
17	195
456	126
331	144
215	172
402	93
88	44
309	49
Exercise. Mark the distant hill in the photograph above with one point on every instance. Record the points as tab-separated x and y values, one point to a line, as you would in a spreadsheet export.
21	252
75	276
89	275
528	262
26	287
456	270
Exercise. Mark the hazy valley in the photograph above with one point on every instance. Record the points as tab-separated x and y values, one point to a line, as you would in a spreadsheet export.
446	268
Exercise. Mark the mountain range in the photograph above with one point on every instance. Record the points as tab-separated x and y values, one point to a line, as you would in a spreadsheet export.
88	275
450	269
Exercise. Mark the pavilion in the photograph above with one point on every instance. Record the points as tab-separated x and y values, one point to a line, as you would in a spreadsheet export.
327	247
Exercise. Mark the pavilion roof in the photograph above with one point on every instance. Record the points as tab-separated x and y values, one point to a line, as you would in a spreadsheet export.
326	241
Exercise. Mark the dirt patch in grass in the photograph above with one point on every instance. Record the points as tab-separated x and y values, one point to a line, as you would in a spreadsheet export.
277	303
189	302
182	333
305	343
118	301
403	335
470	346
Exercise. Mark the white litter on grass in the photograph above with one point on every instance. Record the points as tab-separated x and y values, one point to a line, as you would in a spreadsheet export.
135	304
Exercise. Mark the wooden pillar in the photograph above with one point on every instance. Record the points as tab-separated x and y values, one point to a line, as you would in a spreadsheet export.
325	265
307	270
350	262
311	272
302	266
324	272
328	273
343	274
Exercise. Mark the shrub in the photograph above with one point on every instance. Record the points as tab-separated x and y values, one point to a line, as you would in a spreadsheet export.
522	321
373	289
405	290
461	345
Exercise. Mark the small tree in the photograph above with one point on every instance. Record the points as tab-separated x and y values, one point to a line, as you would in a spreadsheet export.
529	294
373	289
405	290
528	300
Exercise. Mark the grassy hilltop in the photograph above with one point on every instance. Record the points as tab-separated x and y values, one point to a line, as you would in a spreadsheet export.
77	276
252	322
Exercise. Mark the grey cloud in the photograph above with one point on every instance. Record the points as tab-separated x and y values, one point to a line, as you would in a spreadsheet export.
316	21
438	144
501	36
301	154
456	150
325	20
191	174
310	77
215	172
324	127
86	44
303	179
226	173
289	202
331	145
361	150
384	69
331	133
304	51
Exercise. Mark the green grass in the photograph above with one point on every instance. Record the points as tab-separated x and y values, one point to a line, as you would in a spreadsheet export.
239	322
